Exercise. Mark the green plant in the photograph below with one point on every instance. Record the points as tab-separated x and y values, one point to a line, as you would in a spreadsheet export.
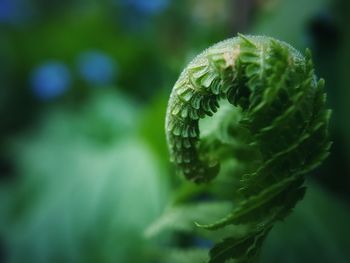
274	126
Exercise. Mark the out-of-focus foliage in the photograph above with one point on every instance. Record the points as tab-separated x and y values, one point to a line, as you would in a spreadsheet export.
80	198
316	230
84	169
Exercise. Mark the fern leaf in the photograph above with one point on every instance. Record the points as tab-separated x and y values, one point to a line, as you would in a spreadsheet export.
280	121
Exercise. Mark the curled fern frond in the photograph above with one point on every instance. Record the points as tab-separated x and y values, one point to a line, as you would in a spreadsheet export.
276	124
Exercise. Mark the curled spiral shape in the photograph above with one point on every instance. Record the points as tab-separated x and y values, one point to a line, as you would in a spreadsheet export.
278	121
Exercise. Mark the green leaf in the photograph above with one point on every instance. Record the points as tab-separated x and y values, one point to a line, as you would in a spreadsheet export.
243	249
249	210
181	218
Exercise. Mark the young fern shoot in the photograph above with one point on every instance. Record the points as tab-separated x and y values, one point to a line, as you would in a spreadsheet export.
280	119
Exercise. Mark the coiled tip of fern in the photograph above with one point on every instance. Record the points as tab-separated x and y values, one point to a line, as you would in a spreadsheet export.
273	121
280	105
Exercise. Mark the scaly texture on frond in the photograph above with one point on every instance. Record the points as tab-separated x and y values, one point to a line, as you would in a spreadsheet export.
279	120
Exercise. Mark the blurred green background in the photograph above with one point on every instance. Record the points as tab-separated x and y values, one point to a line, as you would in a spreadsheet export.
84	170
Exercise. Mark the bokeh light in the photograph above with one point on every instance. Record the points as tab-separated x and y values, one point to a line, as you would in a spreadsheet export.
145	6
50	80
97	68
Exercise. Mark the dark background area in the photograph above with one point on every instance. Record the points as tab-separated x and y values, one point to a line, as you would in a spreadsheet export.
84	85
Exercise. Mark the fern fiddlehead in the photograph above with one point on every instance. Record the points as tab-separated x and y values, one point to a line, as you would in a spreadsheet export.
275	116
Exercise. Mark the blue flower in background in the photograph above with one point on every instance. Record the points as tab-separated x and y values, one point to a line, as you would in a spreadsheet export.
203	243
97	68
146	6
15	12
8	10
136	14
50	80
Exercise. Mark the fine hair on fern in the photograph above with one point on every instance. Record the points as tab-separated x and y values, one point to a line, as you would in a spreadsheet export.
273	122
